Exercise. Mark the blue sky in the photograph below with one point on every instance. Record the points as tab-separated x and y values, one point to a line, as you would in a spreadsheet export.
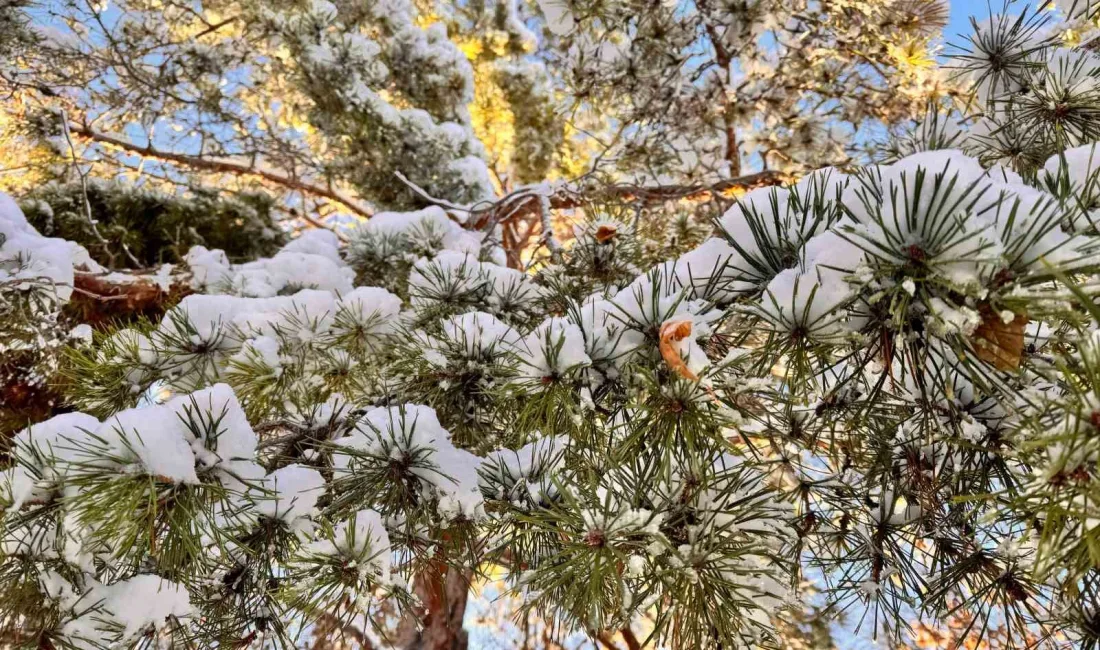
959	23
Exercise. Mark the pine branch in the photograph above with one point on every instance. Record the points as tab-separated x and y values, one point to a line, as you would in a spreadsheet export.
225	166
607	641
528	201
102	297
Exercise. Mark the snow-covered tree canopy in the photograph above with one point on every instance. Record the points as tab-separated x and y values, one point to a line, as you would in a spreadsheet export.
325	101
872	390
699	86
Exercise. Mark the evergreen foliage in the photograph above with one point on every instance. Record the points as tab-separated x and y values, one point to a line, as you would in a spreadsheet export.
835	386
142	228
873	388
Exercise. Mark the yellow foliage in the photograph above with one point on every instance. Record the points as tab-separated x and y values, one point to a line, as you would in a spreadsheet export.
911	53
22	161
472	48
425	19
492	119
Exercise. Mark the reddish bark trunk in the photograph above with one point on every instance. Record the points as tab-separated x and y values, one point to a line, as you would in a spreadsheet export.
443	591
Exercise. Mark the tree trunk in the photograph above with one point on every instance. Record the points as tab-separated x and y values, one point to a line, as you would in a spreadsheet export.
443	591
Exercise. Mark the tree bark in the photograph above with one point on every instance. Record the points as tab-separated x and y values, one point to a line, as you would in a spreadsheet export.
526	202
99	298
531	204
630	639
724	58
330	633
443	591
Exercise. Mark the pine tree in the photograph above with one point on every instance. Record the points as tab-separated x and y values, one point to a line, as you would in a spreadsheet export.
319	101
325	101
707	90
874	388
141	228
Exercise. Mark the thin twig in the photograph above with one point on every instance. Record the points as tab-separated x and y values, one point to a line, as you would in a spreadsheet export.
547	238
83	176
428	197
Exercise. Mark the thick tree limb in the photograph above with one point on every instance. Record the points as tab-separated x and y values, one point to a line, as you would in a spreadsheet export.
443	591
329	629
607	639
99	297
630	639
723	57
527	201
225	166
533	204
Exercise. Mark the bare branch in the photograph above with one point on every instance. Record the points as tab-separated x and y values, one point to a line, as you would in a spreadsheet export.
428	197
529	199
226	166
547	238
83	176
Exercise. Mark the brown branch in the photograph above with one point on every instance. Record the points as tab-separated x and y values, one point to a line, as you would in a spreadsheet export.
213	28
304	216
531	203
607	641
329	625
631	640
723	57
659	193
443	592
101	298
524	201
222	165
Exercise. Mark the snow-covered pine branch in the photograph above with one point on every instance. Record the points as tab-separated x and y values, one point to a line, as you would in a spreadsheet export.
873	388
